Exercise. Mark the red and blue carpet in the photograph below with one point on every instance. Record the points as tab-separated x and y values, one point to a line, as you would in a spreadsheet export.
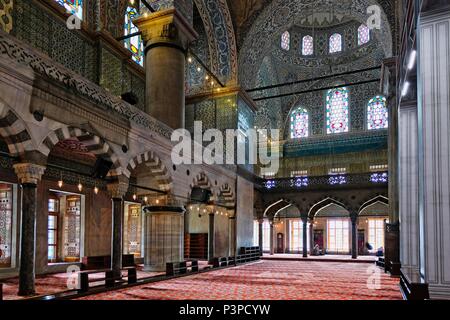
271	280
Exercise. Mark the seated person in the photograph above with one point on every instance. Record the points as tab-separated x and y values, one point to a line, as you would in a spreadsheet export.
380	252
317	251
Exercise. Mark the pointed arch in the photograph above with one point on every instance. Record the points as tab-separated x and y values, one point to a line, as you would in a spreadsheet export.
323	203
378	198
155	166
14	131
93	143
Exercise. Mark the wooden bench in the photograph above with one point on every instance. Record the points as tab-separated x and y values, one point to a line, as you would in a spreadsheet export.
102	264
223	262
83	277
183	267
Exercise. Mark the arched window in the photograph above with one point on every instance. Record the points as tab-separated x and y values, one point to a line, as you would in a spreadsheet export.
134	44
285	41
363	34
377	113
337	110
299	123
335	43
307	46
73	7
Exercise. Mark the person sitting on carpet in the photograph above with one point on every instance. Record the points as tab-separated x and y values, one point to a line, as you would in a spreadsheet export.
380	252
317	251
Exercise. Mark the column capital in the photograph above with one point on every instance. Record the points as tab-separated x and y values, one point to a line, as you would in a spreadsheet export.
119	188
29	173
166	27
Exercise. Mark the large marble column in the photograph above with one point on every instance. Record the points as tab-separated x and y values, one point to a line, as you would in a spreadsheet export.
164	233
117	191
211	237
409	182
305	236
167	34
434	151
354	221
311	236
260	235
272	249
29	175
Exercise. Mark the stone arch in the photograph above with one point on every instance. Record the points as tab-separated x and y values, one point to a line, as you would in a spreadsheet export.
323	203
226	195
155	165
219	28
93	142
379	198
14	131
201	180
272	209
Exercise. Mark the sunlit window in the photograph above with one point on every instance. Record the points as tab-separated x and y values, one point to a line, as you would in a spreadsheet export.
376	233
363	34
338	235
296	235
377	113
256	233
285	41
335	43
266	235
307	46
299	123
337	110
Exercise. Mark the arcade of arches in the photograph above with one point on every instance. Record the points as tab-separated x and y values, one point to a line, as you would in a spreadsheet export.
92	91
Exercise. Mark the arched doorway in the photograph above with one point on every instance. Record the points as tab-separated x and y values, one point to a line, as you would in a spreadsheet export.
331	228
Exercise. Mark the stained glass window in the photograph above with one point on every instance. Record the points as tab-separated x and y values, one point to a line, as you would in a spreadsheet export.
337	110
377	113
335	43
307	45
72	229
285	41
134	44
363	34
73	7
299	123
133	228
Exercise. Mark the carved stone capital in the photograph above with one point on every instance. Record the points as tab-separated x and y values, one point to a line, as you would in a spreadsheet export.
166	27
29	173
118	189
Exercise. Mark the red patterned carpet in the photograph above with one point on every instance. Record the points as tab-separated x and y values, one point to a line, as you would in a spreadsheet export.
270	280
53	283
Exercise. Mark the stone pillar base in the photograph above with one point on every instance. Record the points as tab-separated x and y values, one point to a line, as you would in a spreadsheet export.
164	235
